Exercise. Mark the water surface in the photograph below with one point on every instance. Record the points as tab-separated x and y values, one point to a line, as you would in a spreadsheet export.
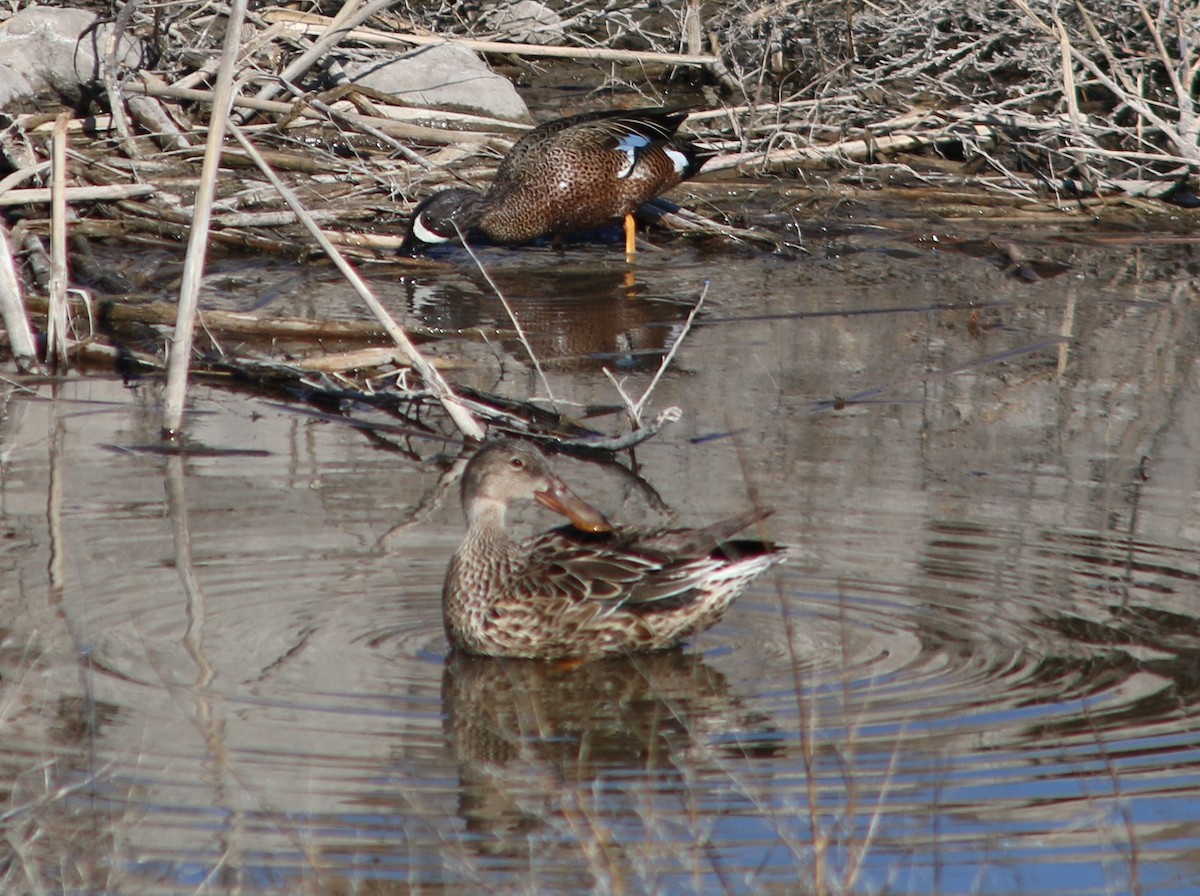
225	672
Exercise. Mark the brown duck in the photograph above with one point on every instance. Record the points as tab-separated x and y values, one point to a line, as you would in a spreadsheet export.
584	590
564	176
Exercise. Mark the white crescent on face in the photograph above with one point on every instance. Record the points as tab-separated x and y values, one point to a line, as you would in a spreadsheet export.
424	234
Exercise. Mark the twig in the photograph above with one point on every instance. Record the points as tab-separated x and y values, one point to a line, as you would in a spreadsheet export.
103	193
12	309
193	268
154	118
635	408
387	125
308	23
341	118
37	260
687	221
860	148
108	73
56	317
631	438
512	315
1070	93
336	30
454	407
22	175
630	404
1116	77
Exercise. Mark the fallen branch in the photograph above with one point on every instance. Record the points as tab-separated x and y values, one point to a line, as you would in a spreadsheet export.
332	32
856	149
454	407
360	359
308	23
623	442
103	193
295	113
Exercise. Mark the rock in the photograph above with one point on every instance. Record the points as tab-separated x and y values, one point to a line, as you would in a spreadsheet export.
47	51
526	21
443	76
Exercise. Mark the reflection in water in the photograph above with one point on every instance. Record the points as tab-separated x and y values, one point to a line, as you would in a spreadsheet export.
978	674
529	736
571	313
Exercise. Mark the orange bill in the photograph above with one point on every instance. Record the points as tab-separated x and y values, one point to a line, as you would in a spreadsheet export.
583	516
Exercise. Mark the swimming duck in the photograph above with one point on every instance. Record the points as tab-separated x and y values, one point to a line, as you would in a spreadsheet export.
588	589
566	175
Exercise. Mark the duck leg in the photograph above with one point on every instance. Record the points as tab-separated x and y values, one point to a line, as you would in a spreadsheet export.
630	237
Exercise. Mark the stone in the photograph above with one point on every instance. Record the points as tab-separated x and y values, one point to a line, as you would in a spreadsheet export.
526	21
50	52
443	76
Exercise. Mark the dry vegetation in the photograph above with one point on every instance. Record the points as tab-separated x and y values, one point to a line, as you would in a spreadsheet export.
1030	95
1057	102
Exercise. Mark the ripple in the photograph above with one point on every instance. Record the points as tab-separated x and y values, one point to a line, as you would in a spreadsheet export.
992	705
1022	723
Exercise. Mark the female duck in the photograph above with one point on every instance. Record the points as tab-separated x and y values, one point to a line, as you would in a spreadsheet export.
564	176
584	590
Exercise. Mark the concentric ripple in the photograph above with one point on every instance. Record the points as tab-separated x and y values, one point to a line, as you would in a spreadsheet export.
977	675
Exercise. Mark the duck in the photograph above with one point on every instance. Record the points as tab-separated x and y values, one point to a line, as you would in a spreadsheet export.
564	176
589	589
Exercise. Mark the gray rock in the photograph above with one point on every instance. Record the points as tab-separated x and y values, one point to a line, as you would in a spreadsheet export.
443	76
526	21
49	52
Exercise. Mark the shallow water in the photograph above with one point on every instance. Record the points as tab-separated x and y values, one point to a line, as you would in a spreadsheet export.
978	673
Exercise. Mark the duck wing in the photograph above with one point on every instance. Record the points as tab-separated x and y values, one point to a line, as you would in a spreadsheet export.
632	570
632	131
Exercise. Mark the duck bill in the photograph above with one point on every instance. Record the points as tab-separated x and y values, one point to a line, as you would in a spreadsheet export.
562	500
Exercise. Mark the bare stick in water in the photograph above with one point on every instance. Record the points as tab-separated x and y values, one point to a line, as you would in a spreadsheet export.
193	267
457	411
512	315
56	316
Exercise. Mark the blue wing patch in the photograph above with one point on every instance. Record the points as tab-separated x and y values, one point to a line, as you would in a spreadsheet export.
633	145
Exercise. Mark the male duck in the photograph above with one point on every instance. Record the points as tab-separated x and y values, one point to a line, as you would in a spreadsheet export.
587	590
564	176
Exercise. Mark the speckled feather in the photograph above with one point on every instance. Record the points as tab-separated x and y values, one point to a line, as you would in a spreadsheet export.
567	593
564	176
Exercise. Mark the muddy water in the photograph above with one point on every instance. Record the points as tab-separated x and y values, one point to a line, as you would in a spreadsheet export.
977	674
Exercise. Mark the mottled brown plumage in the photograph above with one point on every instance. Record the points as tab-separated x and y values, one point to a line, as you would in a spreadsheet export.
564	176
584	590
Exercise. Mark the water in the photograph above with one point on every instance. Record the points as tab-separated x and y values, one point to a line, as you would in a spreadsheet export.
977	674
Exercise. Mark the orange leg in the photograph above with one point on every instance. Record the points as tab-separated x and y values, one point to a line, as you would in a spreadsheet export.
630	238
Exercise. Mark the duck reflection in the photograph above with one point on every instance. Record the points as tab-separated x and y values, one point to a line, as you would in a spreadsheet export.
527	734
573	315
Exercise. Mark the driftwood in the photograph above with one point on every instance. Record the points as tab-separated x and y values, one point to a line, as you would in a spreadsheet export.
106	193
